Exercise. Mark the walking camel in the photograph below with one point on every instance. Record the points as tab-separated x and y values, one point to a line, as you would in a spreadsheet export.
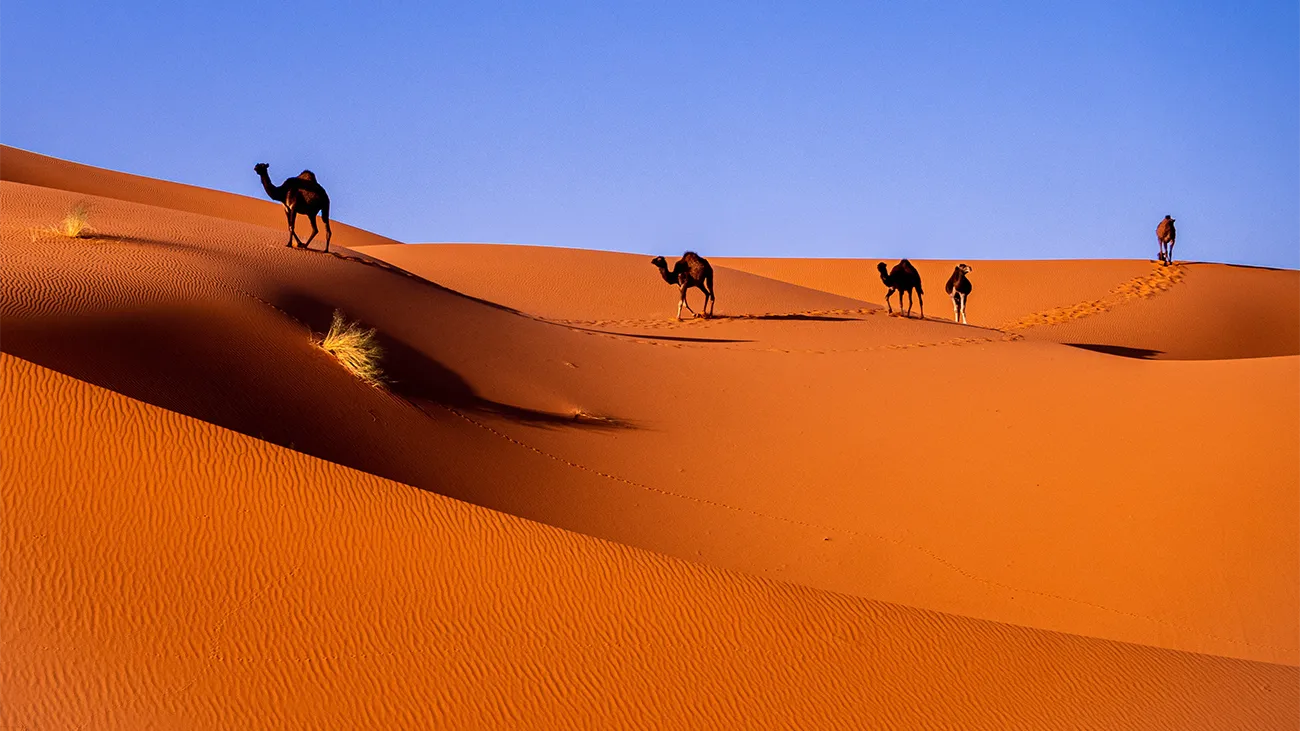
903	278
1165	234
299	195
959	287
692	270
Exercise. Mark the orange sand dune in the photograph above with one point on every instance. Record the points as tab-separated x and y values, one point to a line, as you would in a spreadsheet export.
1135	308
21	166
1004	290
602	287
169	573
976	472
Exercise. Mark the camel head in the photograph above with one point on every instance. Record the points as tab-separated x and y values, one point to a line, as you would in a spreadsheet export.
260	168
884	270
660	262
964	268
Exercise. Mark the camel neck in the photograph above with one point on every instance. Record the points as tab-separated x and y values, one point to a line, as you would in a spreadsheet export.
271	190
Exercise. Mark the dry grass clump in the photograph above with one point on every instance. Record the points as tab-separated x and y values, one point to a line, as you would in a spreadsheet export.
355	348
76	225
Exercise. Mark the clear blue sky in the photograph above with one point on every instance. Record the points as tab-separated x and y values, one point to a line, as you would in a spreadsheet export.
966	130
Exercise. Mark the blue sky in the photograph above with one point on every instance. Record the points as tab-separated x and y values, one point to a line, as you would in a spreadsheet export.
920	129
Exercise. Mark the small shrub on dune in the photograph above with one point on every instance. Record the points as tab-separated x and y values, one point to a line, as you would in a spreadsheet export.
76	225
355	348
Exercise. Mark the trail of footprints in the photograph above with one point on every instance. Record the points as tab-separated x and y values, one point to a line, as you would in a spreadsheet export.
1160	280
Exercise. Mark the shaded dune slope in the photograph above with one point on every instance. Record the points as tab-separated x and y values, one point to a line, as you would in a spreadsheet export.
190	576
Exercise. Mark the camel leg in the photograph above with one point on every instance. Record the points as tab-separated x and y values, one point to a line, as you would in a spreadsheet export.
956	307
291	216
920	300
963	310
685	290
325	216
709	298
909	302
891	307
314	230
1169	258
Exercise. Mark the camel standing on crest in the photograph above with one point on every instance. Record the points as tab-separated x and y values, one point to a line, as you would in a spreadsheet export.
692	270
299	195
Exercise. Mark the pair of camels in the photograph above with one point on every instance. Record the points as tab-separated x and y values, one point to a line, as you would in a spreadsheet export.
904	278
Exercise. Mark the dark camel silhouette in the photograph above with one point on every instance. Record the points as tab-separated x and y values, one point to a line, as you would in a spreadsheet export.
958	287
903	278
299	195
692	270
1166	234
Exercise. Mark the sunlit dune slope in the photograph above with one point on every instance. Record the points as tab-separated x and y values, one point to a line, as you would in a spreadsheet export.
163	572
1191	311
21	166
595	286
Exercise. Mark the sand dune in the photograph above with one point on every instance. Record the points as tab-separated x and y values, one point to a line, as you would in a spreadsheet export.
195	577
596	287
21	166
973	477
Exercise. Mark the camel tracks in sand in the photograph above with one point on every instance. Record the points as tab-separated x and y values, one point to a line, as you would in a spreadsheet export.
1161	279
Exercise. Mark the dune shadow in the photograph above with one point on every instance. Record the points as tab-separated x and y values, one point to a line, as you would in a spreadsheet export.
1120	350
795	317
648	336
416	377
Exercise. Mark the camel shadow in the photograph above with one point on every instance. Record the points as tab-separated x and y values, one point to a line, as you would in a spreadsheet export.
1120	350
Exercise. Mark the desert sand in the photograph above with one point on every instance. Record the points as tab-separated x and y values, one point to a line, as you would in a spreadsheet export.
566	509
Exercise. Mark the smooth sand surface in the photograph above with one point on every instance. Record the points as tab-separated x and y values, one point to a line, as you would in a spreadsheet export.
881	519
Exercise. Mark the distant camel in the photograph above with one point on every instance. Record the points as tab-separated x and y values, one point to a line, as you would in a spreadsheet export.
299	195
1166	234
692	270
903	278
959	287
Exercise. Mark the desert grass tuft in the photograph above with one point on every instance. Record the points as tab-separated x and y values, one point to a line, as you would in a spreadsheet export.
355	348
75	225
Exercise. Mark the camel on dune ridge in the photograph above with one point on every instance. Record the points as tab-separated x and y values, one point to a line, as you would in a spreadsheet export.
902	278
1165	235
959	288
692	270
299	195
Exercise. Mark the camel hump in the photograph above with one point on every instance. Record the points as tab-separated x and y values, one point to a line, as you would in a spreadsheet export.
307	175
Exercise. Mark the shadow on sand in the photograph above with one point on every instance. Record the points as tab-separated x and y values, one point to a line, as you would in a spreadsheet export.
1120	350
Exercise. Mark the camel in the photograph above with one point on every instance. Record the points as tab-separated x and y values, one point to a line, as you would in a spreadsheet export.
692	270
1166	234
959	288
299	195
903	278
